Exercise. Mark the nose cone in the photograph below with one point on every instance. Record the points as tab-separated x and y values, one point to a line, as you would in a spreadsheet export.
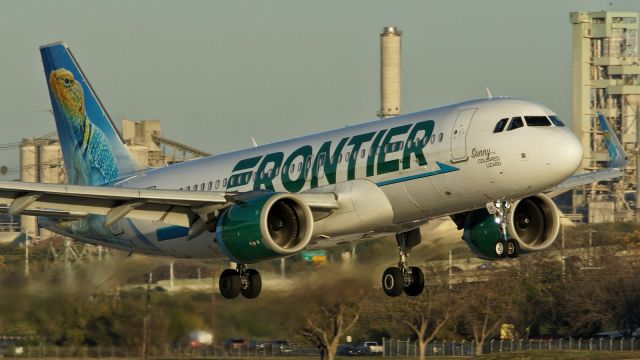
563	153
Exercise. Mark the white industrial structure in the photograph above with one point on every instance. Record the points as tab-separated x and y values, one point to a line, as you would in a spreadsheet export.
41	158
606	78
390	72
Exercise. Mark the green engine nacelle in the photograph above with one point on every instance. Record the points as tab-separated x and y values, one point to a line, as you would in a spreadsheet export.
534	223
264	227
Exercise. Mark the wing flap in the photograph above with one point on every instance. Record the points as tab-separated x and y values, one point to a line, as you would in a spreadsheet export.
177	207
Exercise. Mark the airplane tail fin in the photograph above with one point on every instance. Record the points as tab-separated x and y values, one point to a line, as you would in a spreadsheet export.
93	150
615	149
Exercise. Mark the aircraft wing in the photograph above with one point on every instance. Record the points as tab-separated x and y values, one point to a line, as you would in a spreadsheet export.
177	207
616	164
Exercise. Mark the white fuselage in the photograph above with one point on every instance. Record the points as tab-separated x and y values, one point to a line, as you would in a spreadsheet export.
397	173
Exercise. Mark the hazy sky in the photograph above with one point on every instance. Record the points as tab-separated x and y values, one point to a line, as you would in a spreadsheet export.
218	72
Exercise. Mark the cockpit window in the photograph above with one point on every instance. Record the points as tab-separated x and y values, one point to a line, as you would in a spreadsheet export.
516	122
537	121
556	121
500	125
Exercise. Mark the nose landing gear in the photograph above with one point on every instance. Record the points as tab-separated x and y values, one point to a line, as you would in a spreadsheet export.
241	280
404	278
505	246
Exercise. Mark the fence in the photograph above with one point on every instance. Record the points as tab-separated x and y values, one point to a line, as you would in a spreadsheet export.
391	348
409	348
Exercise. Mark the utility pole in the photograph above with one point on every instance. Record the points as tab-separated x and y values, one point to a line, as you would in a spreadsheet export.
213	309
147	320
564	258
26	253
450	269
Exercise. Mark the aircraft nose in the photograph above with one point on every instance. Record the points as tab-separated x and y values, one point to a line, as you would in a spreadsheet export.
563	153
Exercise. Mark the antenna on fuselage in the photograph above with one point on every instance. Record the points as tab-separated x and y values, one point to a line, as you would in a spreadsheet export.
489	96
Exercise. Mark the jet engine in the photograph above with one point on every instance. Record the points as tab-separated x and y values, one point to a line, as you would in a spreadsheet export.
534	223
265	227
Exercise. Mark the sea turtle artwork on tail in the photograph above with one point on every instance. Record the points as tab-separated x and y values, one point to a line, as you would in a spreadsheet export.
94	161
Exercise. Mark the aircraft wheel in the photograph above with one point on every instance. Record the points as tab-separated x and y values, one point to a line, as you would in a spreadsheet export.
417	282
500	249
229	283
254	284
393	281
513	249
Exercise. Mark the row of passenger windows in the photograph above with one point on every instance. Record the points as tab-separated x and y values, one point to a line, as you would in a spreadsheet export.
517	122
235	180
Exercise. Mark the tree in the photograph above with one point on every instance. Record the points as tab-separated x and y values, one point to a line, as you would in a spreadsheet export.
332	317
623	296
484	306
424	315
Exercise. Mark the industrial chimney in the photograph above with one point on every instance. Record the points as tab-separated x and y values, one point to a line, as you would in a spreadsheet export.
390	72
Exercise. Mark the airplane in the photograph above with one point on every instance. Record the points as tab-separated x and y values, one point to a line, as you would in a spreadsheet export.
490	164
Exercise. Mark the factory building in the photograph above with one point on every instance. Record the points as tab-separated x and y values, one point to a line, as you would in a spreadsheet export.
41	158
606	79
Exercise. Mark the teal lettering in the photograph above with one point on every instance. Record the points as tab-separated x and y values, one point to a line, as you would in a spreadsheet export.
374	150
243	178
295	185
261	177
385	166
330	162
357	142
416	147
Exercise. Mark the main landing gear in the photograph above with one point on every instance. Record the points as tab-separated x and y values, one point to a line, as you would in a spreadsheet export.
395	280
505	246
240	280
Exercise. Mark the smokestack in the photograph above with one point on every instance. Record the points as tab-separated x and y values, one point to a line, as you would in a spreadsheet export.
390	86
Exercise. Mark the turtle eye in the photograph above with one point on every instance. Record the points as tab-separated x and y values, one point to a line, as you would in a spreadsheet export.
67	81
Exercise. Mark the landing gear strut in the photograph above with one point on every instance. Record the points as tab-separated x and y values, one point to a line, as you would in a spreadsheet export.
505	246
395	280
240	280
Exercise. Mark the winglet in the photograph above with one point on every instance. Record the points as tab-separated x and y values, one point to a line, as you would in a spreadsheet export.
616	151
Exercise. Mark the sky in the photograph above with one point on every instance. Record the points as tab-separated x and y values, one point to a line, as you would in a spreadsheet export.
217	73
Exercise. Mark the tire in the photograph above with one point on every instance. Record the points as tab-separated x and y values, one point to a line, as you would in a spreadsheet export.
513	249
229	284
254	284
500	249
393	281
417	282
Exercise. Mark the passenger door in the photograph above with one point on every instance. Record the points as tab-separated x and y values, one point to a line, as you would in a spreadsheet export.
459	135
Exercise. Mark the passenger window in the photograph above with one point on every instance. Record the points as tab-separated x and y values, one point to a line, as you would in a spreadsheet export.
556	121
500	125
340	158
433	138
400	146
202	187
217	184
232	181
300	166
515	123
363	153
188	187
292	168
537	121
210	185
247	178
224	182
195	187
440	136
346	157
